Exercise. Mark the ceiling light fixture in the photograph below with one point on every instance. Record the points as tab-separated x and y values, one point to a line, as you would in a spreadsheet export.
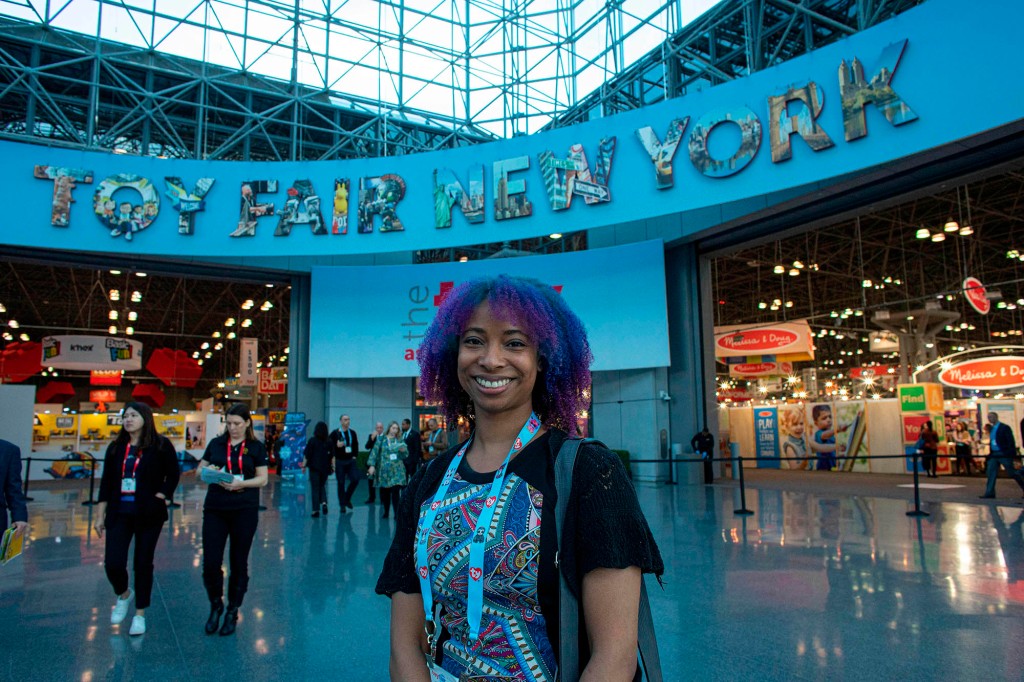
951	226
779	269
923	233
938	237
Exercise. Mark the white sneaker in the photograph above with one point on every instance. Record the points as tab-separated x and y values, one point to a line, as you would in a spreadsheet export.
138	626
120	611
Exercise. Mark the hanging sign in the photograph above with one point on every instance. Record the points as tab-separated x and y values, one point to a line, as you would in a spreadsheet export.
273	380
91	352
736	395
247	374
985	374
105	377
974	292
760	369
794	339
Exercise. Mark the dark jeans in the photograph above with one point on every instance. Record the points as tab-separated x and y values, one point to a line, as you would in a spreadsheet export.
318	488
218	526
345	470
120	530
372	497
964	461
930	460
992	469
390	496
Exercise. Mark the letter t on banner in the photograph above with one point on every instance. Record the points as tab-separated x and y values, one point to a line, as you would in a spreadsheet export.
247	373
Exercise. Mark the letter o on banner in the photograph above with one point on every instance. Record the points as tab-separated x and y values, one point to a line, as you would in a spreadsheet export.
122	217
750	141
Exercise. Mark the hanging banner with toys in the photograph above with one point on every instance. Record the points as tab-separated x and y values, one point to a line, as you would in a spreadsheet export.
293	441
793	438
920	403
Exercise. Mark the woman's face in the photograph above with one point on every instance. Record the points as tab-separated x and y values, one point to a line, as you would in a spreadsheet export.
132	422
432	424
236	426
393	431
498	363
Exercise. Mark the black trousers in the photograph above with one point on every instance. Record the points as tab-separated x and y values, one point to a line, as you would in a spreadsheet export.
218	526
347	473
930	459
121	528
390	496
318	488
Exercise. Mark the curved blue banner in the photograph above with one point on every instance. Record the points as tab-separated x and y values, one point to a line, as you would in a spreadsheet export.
883	94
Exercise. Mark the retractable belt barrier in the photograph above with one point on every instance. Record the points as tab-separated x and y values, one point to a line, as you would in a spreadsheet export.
738	461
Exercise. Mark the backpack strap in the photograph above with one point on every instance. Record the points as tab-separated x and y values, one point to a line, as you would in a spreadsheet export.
568	605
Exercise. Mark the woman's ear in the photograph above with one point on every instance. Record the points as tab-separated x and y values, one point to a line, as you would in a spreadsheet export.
542	364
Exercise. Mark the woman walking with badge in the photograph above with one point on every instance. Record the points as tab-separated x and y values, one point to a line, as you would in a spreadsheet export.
473	560
235	464
140	474
386	464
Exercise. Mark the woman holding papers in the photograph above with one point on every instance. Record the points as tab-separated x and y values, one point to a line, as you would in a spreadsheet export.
235	465
140	473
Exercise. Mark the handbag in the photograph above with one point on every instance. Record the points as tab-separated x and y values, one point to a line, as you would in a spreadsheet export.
568	606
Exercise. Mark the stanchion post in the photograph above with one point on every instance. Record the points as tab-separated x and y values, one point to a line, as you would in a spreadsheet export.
92	482
742	511
28	475
917	491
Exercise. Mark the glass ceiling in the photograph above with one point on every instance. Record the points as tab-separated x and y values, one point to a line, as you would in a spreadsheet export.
504	66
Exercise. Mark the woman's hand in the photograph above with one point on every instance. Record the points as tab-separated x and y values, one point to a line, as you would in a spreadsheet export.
370	471
99	526
234	486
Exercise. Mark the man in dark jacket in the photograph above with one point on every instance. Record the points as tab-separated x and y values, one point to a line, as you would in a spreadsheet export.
704	445
345	448
415	444
1003	449
11	496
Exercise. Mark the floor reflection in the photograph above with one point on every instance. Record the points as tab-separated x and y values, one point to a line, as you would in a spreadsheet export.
810	586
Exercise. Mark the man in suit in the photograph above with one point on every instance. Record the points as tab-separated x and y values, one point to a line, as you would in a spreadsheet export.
415	444
11	496
1002	451
344	449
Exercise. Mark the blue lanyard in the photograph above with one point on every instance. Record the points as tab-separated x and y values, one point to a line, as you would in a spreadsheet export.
475	583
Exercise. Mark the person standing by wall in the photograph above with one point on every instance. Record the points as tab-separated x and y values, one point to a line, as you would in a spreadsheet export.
345	448
929	449
414	442
231	511
964	444
371	441
1002	451
703	443
11	496
140	474
436	441
317	460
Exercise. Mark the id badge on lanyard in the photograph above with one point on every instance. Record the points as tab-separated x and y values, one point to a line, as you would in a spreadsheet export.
475	582
128	483
240	476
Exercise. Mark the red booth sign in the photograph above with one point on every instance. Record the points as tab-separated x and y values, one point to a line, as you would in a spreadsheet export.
272	380
104	395
736	395
790	341
974	292
985	374
760	369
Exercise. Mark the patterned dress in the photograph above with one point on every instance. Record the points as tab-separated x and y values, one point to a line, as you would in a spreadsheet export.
388	457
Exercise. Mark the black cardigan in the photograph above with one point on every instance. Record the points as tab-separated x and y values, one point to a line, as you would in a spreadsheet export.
158	473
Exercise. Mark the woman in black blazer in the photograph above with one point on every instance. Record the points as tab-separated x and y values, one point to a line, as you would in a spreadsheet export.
319	461
140	474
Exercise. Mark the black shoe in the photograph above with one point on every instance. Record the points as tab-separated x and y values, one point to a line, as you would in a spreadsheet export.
986	497
370	501
316	515
213	622
385	515
230	622
323	509
343	509
349	505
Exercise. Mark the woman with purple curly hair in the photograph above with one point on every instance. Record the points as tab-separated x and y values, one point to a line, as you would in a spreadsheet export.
473	557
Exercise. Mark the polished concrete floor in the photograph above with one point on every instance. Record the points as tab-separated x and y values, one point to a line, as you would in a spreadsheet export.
828	579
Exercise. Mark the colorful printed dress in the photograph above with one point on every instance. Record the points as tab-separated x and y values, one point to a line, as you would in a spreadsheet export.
519	628
388	457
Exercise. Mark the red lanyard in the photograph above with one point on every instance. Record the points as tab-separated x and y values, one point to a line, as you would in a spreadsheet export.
241	453
124	462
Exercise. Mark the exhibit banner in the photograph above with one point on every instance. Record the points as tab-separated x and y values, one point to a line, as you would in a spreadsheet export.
851	436
369	321
760	369
293	441
248	357
273	380
985	374
793	340
766	437
91	352
920	397
793	437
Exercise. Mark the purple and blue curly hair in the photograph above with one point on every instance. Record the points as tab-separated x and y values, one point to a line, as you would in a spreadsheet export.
560	392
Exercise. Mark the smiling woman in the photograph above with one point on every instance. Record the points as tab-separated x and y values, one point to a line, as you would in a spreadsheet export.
473	557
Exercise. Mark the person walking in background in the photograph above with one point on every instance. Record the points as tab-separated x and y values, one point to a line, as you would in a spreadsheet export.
231	511
929	449
140	474
11	496
414	442
436	441
703	444
387	466
371	441
345	448
317	461
1002	451
964	444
